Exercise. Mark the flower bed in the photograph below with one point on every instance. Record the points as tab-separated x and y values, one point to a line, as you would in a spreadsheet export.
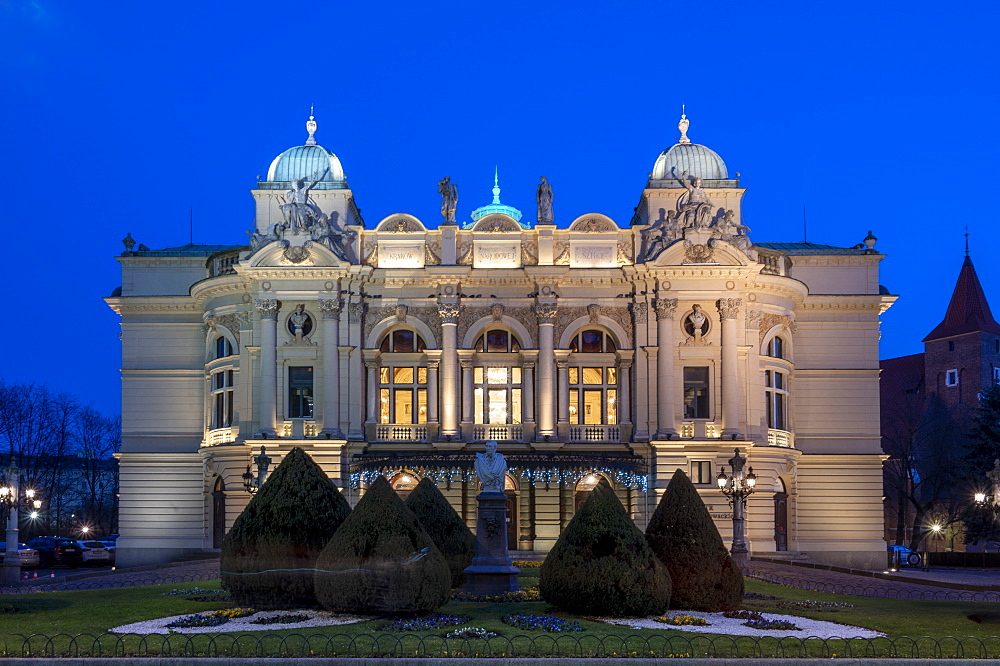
546	623
770	625
522	595
424	623
743	615
471	633
683	621
290	618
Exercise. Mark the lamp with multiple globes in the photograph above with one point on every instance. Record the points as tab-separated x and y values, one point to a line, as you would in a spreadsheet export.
737	487
12	499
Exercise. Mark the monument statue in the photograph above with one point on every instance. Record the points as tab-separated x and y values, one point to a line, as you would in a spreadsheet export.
300	211
449	199
544	198
491	468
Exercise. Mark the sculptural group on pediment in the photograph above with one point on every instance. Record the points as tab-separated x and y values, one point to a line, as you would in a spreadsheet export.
303	220
695	210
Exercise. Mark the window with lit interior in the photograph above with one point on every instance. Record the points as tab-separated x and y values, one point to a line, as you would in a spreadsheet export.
402	394
593	395
496	394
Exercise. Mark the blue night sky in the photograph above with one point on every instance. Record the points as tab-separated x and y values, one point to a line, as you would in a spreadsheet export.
120	118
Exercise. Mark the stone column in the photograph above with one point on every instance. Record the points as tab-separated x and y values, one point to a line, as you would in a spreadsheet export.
356	398
432	390
665	405
528	383
373	386
267	403
449	368
729	309
562	387
624	384
468	414
546	314
331	366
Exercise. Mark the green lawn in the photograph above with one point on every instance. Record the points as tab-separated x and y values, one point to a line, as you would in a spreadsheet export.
93	612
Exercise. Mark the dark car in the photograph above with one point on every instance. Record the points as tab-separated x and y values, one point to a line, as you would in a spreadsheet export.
57	550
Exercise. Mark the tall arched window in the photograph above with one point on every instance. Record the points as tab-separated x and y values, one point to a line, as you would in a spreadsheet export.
592	380
497	379
592	341
775	348
497	341
402	378
223	347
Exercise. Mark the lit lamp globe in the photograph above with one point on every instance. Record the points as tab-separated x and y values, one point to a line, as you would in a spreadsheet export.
980	498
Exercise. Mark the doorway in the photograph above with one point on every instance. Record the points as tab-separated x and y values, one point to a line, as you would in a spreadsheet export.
218	513
780	517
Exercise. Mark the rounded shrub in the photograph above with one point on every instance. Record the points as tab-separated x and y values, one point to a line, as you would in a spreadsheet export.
682	534
602	565
381	559
445	527
269	554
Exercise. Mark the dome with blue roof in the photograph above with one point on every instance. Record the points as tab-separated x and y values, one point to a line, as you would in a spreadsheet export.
495	207
310	162
699	161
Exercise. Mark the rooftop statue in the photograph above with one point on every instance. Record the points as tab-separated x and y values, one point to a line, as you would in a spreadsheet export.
491	468
449	199
544	198
300	211
694	207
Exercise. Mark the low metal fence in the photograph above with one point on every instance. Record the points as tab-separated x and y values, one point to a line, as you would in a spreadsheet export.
302	645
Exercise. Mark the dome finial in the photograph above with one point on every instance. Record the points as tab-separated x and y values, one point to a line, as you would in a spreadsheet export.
683	127
496	185
311	127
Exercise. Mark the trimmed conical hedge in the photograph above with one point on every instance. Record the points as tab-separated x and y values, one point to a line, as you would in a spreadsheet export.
269	554
682	534
602	565
445	527
381	559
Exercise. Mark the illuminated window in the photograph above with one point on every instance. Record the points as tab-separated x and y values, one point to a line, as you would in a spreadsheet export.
593	395
497	340
496	395
222	399
402	395
300	392
776	399
696	403
402	341
592	341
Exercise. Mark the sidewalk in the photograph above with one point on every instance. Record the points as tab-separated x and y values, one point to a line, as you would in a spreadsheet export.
160	574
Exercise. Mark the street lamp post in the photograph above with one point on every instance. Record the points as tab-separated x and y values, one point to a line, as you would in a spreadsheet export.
737	487
11	499
252	483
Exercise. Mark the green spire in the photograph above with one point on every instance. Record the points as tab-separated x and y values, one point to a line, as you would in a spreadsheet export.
496	184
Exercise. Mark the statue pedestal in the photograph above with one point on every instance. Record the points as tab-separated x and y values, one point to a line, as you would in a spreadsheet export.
492	570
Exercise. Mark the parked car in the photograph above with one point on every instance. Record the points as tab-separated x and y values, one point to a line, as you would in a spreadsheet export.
904	556
57	550
111	547
29	556
94	552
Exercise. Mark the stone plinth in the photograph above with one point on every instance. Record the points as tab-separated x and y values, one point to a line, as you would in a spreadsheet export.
492	570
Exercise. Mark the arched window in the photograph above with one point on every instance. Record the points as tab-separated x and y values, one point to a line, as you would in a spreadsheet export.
223	347
497	340
775	348
402	341
404	484
592	341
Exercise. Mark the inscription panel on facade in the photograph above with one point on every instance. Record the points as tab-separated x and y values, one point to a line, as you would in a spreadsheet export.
394	255
497	255
593	255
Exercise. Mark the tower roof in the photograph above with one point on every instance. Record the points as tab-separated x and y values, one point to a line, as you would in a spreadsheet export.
697	160
968	310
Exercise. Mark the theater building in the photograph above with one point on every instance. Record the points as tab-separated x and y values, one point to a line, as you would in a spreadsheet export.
587	347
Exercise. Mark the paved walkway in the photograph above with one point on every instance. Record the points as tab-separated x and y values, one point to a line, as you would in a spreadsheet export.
177	572
867	585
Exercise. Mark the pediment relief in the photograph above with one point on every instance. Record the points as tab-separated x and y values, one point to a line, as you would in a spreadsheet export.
497	223
281	253
400	223
593	223
698	251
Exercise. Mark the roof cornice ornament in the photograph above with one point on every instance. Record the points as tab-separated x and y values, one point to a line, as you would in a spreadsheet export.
683	127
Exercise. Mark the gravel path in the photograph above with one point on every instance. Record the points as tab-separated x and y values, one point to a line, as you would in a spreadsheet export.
719	624
240	624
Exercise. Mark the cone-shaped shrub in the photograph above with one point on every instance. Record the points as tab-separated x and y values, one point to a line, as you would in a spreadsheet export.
602	565
269	554
683	535
445	527
381	559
